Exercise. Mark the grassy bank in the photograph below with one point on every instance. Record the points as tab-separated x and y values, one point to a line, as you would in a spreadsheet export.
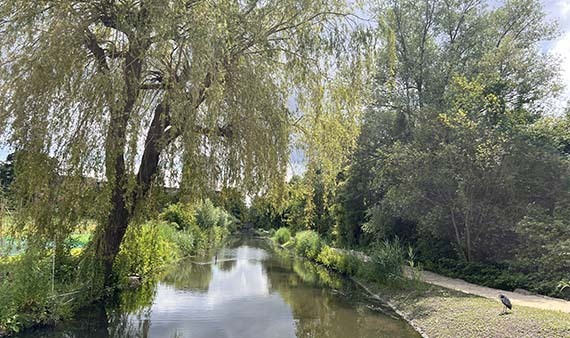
434	311
440	312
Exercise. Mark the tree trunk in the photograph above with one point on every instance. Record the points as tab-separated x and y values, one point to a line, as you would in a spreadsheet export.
468	242
124	201
457	236
112	236
109	240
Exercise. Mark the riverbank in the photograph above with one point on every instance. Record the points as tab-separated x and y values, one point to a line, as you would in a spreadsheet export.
436	311
517	299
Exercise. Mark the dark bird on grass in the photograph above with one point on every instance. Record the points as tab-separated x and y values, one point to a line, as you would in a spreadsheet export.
506	302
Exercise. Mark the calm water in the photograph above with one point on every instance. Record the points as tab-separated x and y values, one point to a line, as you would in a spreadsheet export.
244	291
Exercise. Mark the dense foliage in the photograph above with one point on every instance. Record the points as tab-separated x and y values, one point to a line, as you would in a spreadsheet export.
462	153
456	144
107	102
385	265
40	284
282	235
308	244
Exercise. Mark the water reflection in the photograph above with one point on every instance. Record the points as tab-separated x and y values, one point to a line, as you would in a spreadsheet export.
242	291
236	301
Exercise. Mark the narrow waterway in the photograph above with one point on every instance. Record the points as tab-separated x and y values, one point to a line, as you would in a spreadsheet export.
245	290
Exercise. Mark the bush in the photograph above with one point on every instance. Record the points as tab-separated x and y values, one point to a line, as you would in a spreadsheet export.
342	262
146	248
308	244
207	215
205	239
228	221
386	262
350	265
282	236
217	235
180	214
185	240
328	257
25	296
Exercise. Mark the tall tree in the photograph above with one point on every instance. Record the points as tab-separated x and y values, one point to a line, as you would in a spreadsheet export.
122	89
445	145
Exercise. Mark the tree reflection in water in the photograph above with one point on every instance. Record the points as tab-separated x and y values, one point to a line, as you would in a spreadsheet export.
241	292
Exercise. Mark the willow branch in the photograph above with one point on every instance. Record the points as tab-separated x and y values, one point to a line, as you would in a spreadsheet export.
98	52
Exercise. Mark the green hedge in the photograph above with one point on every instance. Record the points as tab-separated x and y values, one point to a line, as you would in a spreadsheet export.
385	265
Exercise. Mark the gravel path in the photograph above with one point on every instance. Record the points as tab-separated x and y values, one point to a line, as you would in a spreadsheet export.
535	301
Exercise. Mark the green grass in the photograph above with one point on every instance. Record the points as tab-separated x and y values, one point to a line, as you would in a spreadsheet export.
441	312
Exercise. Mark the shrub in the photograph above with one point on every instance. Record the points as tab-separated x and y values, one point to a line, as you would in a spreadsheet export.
308	244
217	235
328	257
25	296
386	262
207	215
282	236
180	214
185	240
227	220
147	248
224	219
339	261
350	265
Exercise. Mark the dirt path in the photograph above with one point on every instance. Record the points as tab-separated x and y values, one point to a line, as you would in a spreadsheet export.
535	301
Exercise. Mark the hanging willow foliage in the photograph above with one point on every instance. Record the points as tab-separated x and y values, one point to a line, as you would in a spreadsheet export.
103	99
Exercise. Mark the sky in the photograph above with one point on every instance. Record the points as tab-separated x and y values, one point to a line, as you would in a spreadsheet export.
558	10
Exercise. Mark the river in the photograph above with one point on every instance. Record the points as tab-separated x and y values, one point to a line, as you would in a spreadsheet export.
245	290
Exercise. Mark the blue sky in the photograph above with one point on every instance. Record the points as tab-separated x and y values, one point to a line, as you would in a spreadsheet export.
558	10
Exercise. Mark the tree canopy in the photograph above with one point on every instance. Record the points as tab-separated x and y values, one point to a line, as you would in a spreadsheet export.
460	151
134	93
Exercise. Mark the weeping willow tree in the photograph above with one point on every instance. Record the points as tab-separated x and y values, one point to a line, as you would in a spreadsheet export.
127	95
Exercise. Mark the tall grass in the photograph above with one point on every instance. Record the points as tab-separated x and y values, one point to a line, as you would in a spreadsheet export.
386	262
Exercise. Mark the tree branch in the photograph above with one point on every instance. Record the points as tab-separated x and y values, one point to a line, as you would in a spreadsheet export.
154	86
222	131
99	53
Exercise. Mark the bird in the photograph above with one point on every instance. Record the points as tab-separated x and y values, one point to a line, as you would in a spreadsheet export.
506	302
